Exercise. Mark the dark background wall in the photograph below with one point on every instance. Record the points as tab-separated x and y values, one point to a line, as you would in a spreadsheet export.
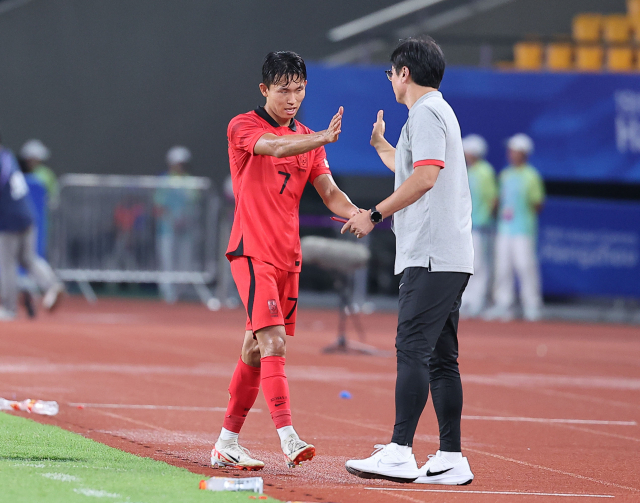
109	86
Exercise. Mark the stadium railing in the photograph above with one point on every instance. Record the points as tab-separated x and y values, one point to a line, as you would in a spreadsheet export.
136	229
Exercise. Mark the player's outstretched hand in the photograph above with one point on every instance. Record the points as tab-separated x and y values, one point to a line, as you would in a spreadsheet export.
378	129
335	127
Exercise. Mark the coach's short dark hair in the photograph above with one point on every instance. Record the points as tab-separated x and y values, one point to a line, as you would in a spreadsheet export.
424	59
282	67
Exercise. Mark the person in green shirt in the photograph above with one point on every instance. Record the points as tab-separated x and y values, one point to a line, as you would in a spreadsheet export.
521	198
484	192
35	154
175	208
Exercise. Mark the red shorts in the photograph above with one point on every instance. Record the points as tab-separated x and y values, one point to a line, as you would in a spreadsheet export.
269	294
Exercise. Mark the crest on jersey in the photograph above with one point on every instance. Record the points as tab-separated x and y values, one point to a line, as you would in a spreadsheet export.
273	307
303	161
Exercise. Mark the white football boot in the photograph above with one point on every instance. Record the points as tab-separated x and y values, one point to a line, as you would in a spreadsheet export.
387	462
230	454
296	451
439	470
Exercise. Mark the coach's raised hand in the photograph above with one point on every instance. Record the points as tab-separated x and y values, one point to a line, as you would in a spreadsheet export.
385	150
377	135
335	127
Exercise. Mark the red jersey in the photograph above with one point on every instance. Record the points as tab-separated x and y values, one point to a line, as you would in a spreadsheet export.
267	191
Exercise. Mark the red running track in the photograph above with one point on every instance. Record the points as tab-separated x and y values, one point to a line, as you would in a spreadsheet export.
551	409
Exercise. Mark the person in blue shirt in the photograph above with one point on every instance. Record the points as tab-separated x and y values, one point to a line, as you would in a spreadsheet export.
521	199
18	241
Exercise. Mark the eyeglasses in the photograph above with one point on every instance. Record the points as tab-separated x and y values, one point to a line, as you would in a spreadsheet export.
389	73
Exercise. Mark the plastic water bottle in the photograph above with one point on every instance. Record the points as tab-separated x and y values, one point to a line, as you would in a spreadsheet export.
29	405
253	484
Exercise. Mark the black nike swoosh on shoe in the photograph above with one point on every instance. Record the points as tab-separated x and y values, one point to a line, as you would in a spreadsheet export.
433	474
279	404
228	456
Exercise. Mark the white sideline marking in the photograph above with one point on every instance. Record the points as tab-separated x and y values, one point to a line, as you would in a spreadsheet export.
96	494
514	493
152	407
545	420
63	477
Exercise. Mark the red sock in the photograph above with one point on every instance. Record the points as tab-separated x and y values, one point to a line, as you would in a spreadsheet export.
243	391
276	390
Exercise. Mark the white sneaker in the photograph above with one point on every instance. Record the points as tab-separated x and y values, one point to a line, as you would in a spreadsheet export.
52	296
296	451
532	314
230	454
439	470
6	315
498	313
386	462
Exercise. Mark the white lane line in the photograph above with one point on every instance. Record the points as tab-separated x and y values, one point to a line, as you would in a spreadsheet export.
552	470
545	420
509	493
510	380
152	407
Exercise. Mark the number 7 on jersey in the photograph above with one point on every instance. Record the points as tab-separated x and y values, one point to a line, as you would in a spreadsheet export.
286	179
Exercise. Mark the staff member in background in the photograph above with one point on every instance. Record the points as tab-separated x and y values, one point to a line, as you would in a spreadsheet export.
34	154
17	241
431	209
521	199
175	207
484	197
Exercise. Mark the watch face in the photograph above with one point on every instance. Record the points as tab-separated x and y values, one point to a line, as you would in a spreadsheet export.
376	216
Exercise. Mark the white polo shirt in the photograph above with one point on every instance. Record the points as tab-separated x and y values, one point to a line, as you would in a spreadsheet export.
435	231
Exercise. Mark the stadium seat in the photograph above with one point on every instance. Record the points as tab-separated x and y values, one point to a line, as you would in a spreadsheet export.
559	56
589	57
617	29
587	28
528	55
633	8
635	28
619	59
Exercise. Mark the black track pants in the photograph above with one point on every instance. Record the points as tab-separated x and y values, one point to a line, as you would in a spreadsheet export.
427	353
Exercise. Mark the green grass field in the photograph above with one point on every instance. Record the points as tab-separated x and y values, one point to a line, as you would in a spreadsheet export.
46	463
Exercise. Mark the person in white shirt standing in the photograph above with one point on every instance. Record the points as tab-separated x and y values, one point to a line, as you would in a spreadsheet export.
431	207
521	199
482	183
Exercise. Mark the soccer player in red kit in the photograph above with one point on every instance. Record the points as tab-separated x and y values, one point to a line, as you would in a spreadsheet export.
272	156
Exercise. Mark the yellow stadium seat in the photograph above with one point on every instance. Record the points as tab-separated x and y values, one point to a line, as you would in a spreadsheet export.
633	8
587	28
589	57
617	29
559	56
620	59
528	55
637	60
635	28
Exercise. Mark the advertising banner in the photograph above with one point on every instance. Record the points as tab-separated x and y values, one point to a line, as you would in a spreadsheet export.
586	127
590	248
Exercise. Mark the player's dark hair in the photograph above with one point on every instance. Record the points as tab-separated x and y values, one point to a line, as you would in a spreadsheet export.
424	59
283	67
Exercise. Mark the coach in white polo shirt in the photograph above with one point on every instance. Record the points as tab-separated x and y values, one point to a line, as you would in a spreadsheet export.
431	208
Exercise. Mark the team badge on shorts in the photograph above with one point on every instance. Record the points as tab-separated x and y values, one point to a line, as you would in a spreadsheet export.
273	308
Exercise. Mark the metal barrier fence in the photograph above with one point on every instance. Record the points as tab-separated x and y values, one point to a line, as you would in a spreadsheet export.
136	229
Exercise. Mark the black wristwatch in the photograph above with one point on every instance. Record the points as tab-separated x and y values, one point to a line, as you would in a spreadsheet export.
376	216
